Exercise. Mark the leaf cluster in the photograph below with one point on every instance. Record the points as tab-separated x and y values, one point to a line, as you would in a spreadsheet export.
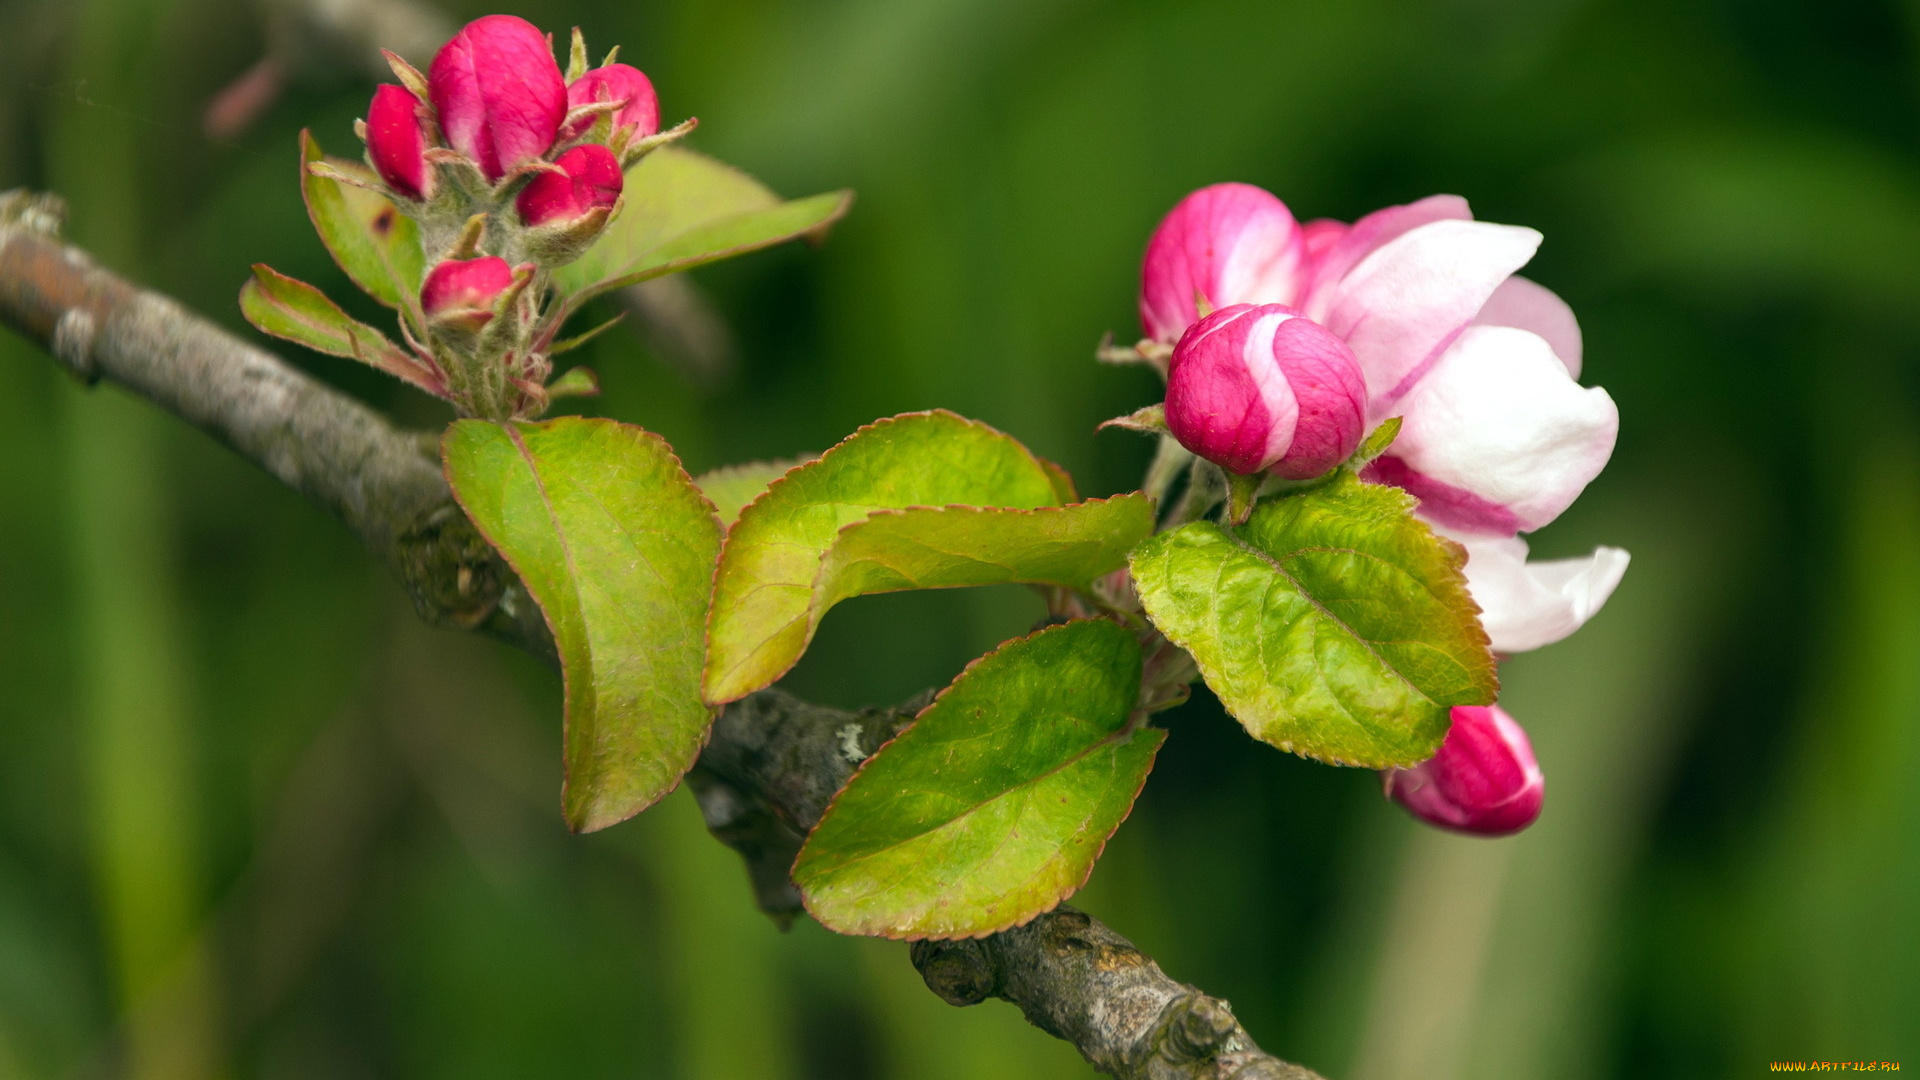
1332	623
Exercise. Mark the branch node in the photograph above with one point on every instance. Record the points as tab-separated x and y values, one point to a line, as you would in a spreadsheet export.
450	570
36	211
958	972
1197	1027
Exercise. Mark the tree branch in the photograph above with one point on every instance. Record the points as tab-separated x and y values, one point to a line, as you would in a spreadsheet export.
773	763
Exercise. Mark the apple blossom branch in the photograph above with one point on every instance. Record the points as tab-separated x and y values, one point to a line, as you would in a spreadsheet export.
773	762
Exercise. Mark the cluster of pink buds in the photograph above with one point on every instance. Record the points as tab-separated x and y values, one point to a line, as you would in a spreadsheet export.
510	169
1284	342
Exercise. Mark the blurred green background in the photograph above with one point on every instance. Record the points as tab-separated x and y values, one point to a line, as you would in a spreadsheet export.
256	822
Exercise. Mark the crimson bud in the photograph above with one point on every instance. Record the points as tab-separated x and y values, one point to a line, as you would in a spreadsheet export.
615	82
499	95
461	292
1485	779
396	141
590	180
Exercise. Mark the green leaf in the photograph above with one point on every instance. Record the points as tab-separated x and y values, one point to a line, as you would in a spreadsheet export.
377	245
732	487
895	550
296	311
684	210
808	543
617	546
1333	624
994	805
574	382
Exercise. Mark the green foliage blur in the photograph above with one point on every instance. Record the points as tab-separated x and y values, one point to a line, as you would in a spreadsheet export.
256	822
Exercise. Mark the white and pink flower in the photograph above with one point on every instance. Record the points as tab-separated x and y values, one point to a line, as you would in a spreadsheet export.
1497	435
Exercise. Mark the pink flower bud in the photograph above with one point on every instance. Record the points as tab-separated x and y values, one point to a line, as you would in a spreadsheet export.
464	290
499	95
396	143
1223	245
1265	388
616	82
591	181
1484	780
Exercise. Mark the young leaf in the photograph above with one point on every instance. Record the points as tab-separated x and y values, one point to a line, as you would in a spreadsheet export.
574	382
683	210
784	564
732	487
376	245
296	311
994	805
617	546
1333	623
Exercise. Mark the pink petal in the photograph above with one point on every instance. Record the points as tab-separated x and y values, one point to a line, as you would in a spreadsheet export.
1525	605
1334	253
1227	244
1522	304
1403	305
1331	397
1319	237
1442	503
1497	416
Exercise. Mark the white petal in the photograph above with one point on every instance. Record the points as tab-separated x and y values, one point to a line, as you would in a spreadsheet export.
1499	417
1527	305
1404	303
1525	604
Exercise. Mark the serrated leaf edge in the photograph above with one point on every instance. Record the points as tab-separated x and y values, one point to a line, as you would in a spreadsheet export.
1456	557
511	427
1118	738
874	425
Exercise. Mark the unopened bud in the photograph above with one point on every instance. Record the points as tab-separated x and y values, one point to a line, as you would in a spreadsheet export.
1484	780
589	180
1223	245
615	82
498	93
565	210
1263	388
460	294
397	143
